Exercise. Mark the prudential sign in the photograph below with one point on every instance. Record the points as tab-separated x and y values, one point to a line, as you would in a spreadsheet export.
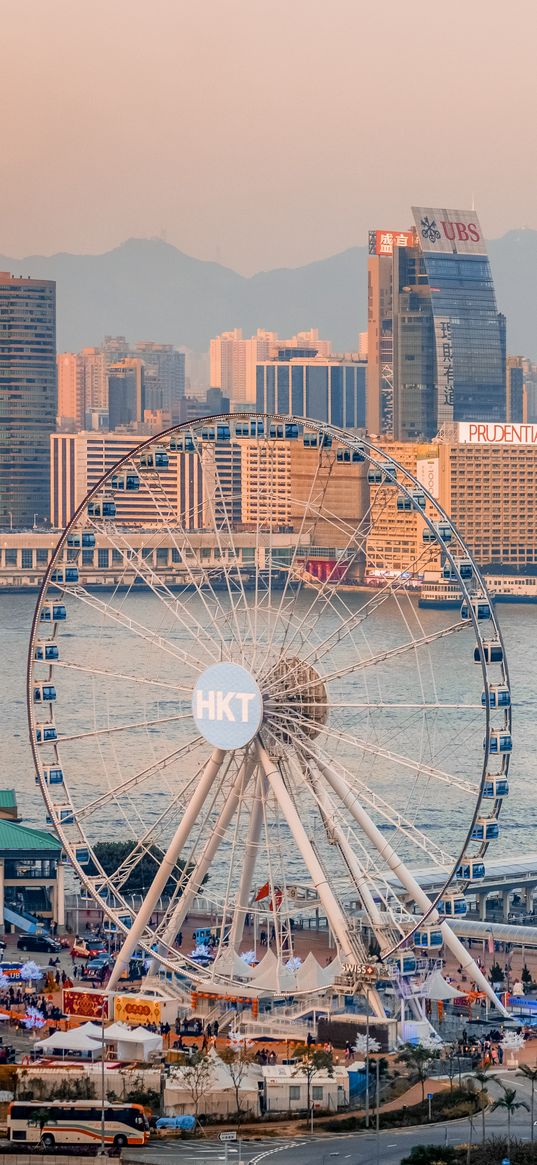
227	705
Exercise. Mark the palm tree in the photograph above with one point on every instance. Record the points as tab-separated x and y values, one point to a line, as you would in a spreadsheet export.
530	1074
510	1105
483	1078
418	1059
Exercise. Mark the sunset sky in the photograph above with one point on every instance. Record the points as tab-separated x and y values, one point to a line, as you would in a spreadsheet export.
257	133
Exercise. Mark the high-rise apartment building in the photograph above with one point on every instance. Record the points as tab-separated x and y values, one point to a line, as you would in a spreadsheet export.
71	391
28	397
234	358
164	375
331	389
436	340
515	403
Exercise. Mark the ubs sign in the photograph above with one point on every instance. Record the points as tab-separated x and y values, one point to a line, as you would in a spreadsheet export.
449	231
227	705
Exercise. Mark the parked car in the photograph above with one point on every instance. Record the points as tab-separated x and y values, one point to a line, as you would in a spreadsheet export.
38	942
96	967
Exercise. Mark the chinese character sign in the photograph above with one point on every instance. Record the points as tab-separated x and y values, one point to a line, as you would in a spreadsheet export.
385	241
444	370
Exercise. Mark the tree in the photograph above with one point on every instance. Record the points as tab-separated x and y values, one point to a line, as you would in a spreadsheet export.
237	1061
418	1060
510	1105
196	1071
483	1078
530	1074
526	975
496	974
431	1155
112	854
311	1062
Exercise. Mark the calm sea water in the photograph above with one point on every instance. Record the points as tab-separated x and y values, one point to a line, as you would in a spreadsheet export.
519	625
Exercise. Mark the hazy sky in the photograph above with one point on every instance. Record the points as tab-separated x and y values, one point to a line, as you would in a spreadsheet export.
261	133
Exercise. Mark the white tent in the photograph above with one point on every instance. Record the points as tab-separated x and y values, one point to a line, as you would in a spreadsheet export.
330	973
133	1043
90	1029
71	1043
438	989
230	963
310	975
269	960
277	977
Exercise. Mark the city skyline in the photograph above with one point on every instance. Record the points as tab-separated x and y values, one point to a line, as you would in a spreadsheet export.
328	143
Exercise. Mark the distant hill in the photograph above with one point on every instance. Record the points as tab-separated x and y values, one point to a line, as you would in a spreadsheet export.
147	289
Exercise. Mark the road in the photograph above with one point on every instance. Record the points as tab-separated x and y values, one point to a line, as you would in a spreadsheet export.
345	1149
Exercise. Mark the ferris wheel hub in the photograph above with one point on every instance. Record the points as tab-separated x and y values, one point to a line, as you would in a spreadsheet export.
227	705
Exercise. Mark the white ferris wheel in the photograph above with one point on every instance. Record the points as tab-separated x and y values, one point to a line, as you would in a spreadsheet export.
214	683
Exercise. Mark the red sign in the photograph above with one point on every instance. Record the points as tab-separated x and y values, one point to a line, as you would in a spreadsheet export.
385	241
87	1004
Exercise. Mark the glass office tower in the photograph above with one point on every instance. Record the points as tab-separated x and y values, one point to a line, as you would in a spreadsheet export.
28	397
328	389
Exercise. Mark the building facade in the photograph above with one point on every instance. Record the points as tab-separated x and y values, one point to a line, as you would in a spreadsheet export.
234	359
126	393
164	373
436	341
331	389
28	397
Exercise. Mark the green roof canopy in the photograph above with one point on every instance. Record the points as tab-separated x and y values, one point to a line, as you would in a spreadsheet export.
21	841
8	799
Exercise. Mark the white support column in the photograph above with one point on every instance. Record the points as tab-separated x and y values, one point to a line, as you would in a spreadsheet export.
329	902
360	815
249	861
167	866
59	914
211	846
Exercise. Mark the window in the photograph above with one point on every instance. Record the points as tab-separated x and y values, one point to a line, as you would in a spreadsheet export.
27	559
294	1092
41	556
87	558
176	557
102	559
11	557
162	555
316	1092
117	556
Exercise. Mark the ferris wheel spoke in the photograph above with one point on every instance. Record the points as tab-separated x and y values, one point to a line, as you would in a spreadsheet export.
167	866
171	525
171	602
211	502
251	850
356	541
392	817
109	729
133	625
150	836
298	541
361	745
373	660
137	779
132	679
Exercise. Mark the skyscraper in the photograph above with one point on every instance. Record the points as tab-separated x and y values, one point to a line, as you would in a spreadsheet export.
126	395
436	338
71	391
164	374
329	388
234	359
28	397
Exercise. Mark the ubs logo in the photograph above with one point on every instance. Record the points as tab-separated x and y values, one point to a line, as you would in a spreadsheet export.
429	229
227	705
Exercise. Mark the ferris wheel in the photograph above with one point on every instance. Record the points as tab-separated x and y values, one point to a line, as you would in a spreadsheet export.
239	711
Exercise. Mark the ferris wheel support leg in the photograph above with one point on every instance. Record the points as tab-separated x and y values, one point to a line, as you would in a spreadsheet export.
407	880
167	867
250	855
353	865
334	912
212	845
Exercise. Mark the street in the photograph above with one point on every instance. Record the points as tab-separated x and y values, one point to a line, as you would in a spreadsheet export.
346	1149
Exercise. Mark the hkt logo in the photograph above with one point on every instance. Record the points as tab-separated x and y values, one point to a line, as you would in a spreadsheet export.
217	705
227	705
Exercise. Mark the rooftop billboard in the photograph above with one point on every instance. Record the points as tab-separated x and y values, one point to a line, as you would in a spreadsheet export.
496	433
383	242
449	232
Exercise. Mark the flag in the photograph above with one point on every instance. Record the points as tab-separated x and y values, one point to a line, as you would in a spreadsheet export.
278	899
263	892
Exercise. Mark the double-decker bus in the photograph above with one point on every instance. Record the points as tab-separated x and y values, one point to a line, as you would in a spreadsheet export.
76	1123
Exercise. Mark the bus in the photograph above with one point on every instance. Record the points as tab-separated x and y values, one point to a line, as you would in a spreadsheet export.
78	1123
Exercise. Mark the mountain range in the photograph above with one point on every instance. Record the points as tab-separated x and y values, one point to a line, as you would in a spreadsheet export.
147	289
